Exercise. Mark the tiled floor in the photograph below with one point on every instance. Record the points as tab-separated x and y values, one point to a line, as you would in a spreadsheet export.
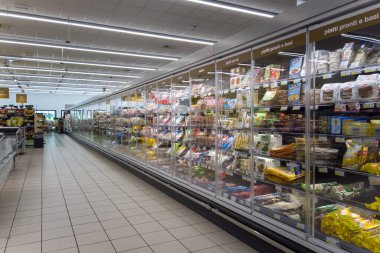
65	198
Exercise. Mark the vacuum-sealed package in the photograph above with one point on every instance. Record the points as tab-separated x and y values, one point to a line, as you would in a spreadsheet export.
366	90
334	60
347	92
347	56
360	58
329	93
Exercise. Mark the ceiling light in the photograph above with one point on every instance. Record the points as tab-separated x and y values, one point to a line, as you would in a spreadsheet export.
234	7
106	65
75	84
53	87
291	54
69	72
62	78
103	27
358	37
85	49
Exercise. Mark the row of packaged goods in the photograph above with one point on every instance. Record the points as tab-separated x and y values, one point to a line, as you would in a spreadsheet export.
265	136
13	116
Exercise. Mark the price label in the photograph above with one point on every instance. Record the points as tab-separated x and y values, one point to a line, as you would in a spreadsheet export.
266	85
304	80
283	108
257	208
246	178
296	108
327	76
241	201
332	241
256	87
278	188
340	140
267	109
374	180
300	226
233	198
298	80
209	94
377	105
210	188
340	108
369	69
369	105
277	216
225	195
345	73
356	71
284	82
340	173
274	85
322	138
322	170
315	107
196	96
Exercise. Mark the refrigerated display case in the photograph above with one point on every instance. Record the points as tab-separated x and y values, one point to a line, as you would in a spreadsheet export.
285	134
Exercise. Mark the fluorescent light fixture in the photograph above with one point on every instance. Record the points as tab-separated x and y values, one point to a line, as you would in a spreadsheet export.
291	54
69	72
106	65
62	78
358	37
85	49
55	87
103	27
61	83
234	7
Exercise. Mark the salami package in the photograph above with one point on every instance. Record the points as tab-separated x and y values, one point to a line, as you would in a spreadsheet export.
329	92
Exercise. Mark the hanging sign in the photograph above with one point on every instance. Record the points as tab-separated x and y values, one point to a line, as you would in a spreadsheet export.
4	92
350	24
234	60
21	98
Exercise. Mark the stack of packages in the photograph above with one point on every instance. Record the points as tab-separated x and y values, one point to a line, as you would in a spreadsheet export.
270	98
282	97
322	153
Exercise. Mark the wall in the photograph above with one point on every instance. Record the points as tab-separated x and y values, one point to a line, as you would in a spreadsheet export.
47	101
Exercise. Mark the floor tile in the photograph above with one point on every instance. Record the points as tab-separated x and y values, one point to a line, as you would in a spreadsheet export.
140	250
109	215
167	247
221	237
91	238
70	250
121	232
102	247
24	239
58	244
27	248
157	237
133	212
197	243
56	224
212	250
115	223
18	230
184	232
128	243
238	247
148	227
84	219
163	215
87	228
173	223
57	233
206	227
140	219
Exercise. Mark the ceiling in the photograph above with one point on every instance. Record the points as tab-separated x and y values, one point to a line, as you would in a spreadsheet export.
172	17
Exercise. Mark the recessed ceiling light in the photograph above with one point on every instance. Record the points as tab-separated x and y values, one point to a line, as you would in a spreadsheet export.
68	72
62	78
234	7
57	61
103	27
86	49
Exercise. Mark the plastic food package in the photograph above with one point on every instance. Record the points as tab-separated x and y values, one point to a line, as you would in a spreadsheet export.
347	55
295	67
347	92
352	157
367	90
360	58
294	93
270	97
329	92
334	60
322	61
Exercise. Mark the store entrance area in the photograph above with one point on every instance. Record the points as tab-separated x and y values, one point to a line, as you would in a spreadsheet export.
67	198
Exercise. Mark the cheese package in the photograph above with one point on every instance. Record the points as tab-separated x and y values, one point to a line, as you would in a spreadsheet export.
329	92
347	56
347	92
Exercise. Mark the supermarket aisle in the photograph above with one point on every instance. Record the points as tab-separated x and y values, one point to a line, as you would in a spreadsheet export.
65	197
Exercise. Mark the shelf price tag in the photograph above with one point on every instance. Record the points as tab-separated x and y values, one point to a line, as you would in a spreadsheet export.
210	188
340	173
241	201
283	108
284	82
304	80
322	170
277	216
340	140
370	69
256	87
266	109
369	105
296	108
300	226
225	195
356	71
266	85
345	73
298	80
327	76
322	138
278	188
274	85
233	198
340	108
257	208
332	241
377	105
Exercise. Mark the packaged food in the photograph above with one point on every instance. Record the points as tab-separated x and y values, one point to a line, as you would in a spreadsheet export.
334	60
336	124
347	92
329	92
353	155
347	55
270	97
360	58
322	61
295	67
294	93
366	90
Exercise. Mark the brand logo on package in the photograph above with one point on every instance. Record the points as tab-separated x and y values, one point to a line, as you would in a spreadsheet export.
282	45
360	21
21	98
4	92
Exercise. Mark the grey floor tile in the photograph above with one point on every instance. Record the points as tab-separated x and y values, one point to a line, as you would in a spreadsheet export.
102	247
128	243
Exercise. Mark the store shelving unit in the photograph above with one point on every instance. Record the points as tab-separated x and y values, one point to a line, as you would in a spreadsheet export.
285	134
